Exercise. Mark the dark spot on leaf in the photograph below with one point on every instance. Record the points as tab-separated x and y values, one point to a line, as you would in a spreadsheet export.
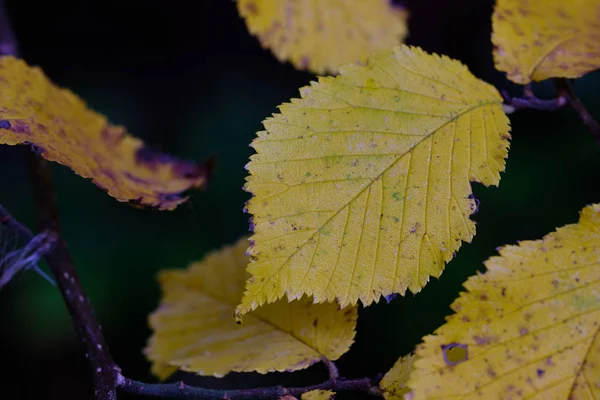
483	340
4	124
523	331
21	128
540	372
251	8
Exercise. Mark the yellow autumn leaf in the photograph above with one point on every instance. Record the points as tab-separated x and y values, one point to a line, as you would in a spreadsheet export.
361	187
162	370
318	395
541	39
322	35
394	383
194	329
529	327
59	126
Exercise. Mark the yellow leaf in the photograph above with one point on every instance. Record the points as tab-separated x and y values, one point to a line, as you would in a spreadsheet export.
530	326
162	371
361	188
61	128
394	383
322	35
318	395
194	328
541	39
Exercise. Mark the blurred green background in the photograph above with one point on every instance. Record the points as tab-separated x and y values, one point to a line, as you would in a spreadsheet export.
188	79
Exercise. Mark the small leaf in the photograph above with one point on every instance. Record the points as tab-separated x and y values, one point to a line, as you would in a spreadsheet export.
59	126
531	324
361	187
322	35
318	395
194	329
541	39
394	383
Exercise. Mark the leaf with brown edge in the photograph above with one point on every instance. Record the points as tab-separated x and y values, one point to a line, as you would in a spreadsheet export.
322	35
529	327
194	328
541	39
59	127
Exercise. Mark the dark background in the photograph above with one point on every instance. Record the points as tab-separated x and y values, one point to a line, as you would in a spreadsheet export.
188	78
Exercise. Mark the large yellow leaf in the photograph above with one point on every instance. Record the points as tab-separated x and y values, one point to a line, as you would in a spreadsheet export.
194	328
529	326
321	35
394	383
541	39
59	126
361	188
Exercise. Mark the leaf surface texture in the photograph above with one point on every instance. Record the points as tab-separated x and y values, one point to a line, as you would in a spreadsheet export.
530	324
361	187
194	328
59	126
322	35
541	39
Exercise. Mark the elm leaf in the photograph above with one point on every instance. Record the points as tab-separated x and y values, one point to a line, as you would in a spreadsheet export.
361	188
194	329
541	39
322	35
529	327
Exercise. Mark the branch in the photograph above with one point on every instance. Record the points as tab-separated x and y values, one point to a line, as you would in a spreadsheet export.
104	370
566	95
565	90
529	101
180	390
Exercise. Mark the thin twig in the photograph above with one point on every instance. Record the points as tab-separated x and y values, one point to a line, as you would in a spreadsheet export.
180	390
334	374
529	101
104	370
565	96
564	89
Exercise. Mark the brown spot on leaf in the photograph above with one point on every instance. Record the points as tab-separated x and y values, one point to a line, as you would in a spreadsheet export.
523	331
